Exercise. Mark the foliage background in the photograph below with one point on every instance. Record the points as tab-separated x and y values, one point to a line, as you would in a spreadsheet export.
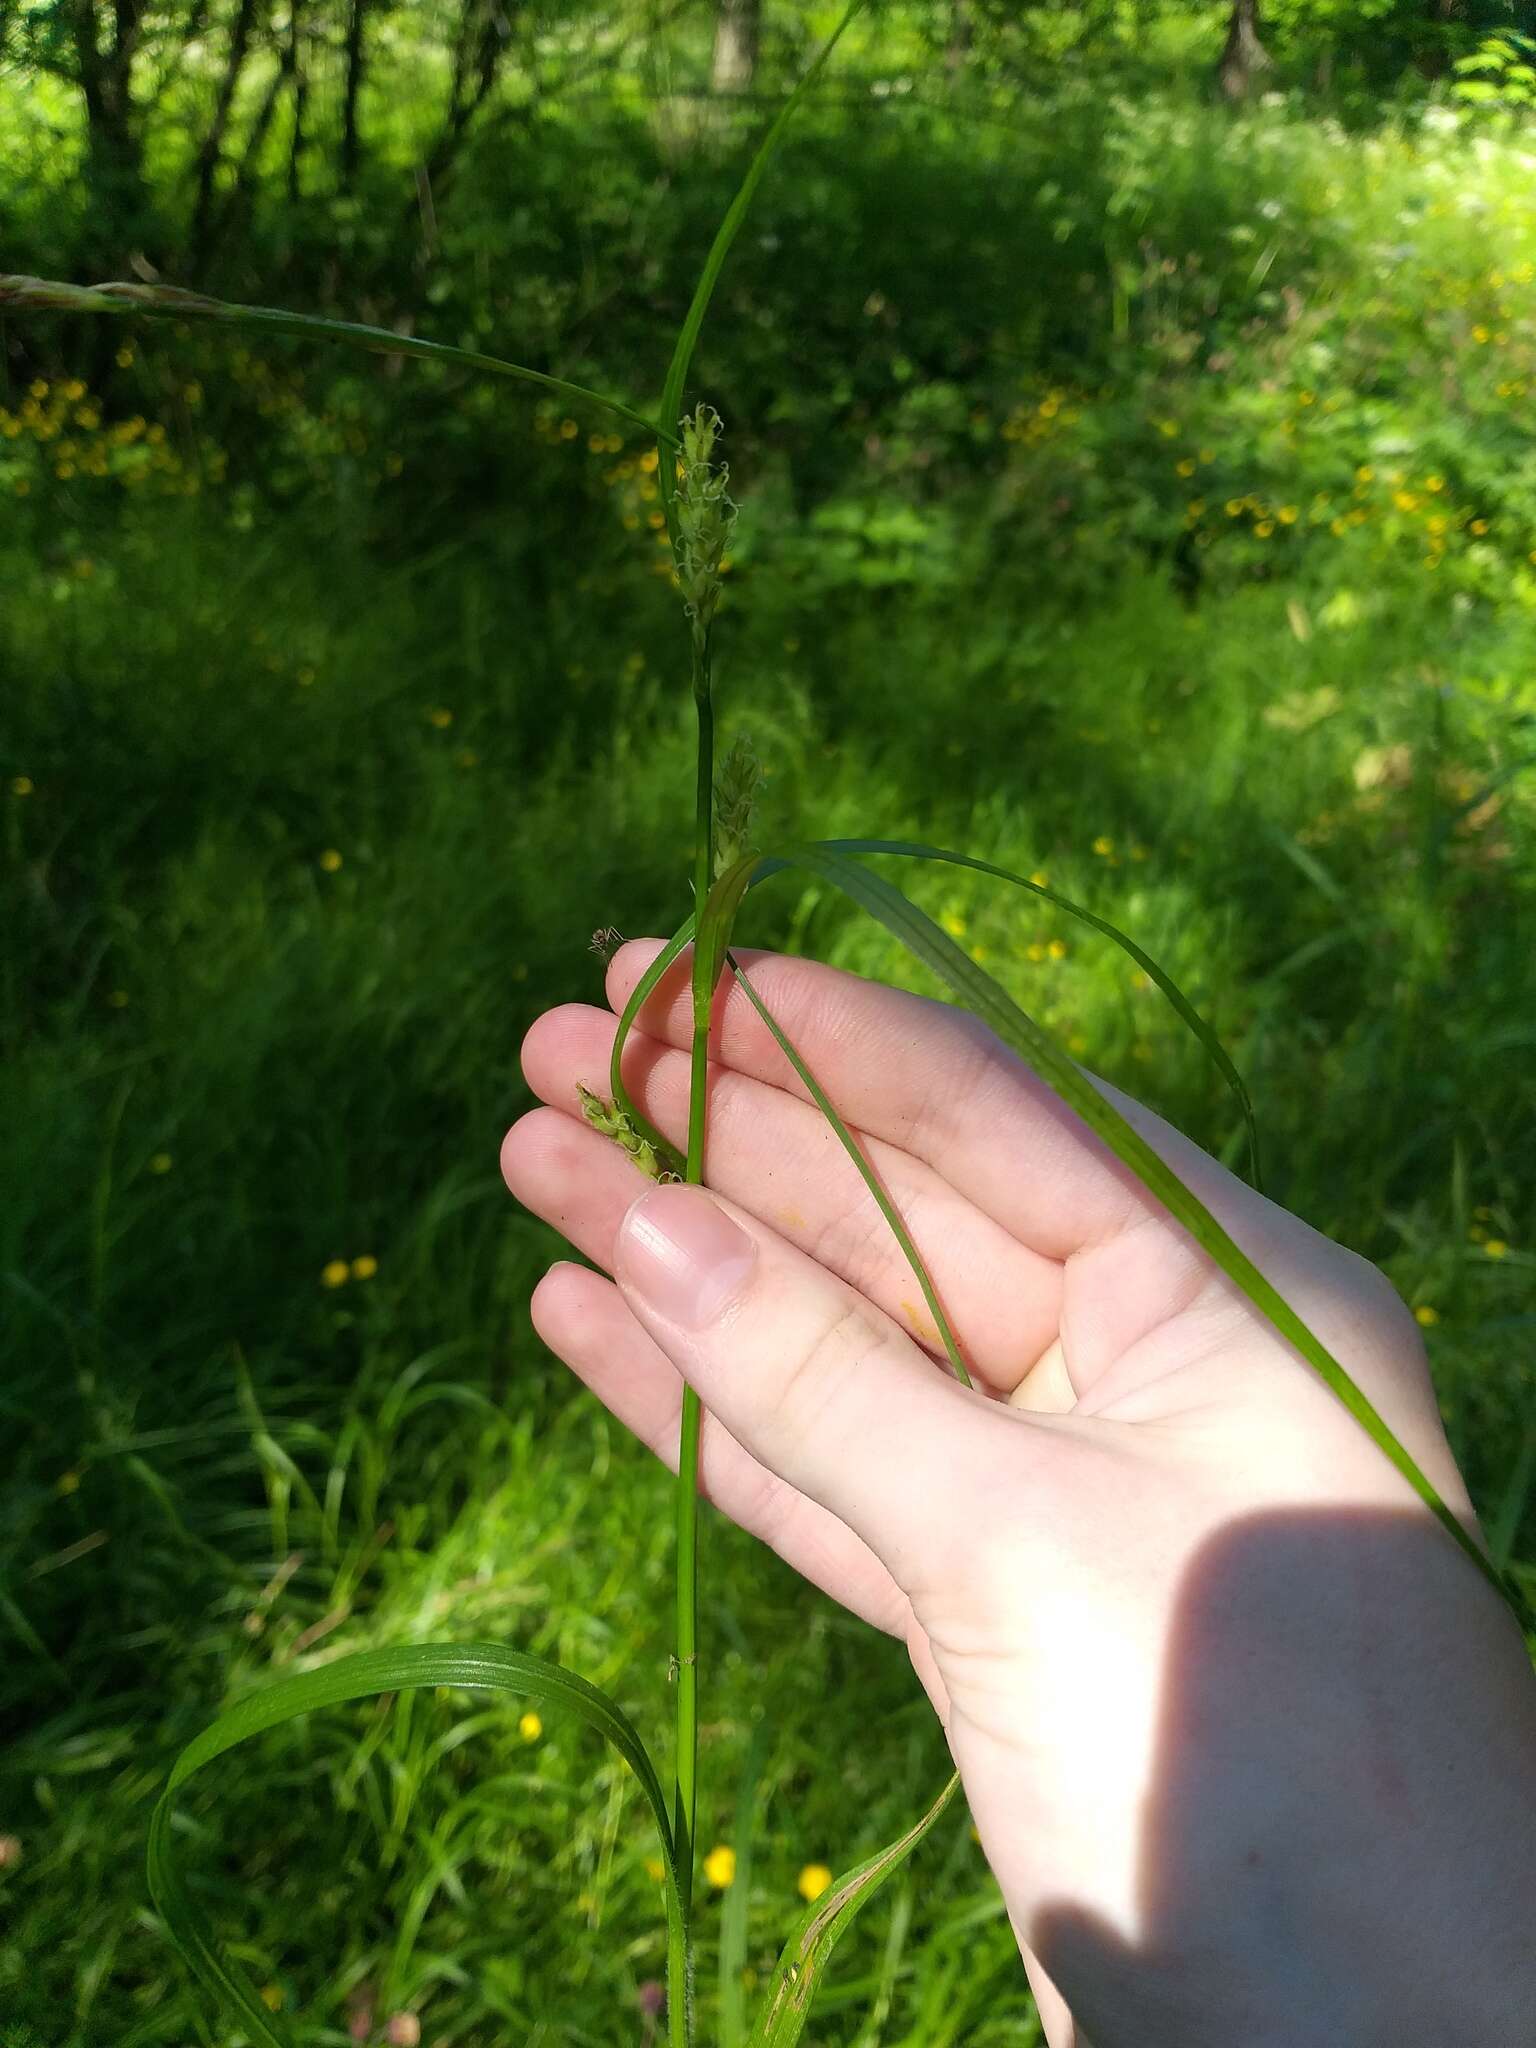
1137	486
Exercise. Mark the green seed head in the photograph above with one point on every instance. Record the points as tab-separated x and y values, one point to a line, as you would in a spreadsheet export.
706	517
736	788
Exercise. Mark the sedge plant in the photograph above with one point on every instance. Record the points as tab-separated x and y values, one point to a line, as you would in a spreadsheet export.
726	864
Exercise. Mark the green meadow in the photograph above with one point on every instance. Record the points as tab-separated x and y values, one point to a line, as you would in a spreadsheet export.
1136	491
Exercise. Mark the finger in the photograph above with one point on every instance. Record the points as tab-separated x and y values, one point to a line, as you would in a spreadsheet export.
818	1385
585	1320
777	1155
932	1079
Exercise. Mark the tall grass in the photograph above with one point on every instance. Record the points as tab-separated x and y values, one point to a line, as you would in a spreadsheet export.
298	944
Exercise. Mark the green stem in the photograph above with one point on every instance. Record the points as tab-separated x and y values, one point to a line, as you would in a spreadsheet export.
686	1801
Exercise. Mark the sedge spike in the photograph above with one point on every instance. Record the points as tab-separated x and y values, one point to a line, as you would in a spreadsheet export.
609	1121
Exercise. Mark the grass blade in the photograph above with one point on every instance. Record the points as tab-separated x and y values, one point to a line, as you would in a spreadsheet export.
167	302
787	2006
1511	1508
735	1914
1215	1050
666	1151
867	1174
927	942
720	248
720	908
364	1676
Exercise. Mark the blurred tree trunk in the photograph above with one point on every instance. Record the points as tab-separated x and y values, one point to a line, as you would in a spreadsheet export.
350	91
1244	56
211	153
300	77
482	35
248	171
738	26
119	210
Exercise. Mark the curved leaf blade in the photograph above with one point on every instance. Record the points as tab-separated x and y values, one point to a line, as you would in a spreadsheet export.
1216	1052
980	994
364	1676
665	1150
867	1173
168	302
720	248
796	1976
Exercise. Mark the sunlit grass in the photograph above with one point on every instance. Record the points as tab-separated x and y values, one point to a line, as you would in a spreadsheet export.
295	861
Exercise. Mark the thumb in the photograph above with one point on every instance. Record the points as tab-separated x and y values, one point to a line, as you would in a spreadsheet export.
810	1377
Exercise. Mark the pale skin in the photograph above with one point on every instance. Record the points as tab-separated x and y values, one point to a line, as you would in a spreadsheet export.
1250	1746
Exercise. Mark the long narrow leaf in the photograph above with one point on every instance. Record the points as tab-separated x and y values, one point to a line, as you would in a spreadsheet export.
665	1149
167	302
996	1008
720	908
735	1913
364	1676
867	1173
787	2006
909	849
720	248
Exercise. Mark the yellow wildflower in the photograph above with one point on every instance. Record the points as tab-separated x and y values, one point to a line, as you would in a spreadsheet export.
1478	526
22	785
161	1162
1186	467
1057	949
1264	528
1365	474
1425	1316
440	716
335	1274
1103	847
365	1267
569	430
655	1869
813	1881
1287	515
1039	878
1434	483
1495	1248
530	1727
953	923
720	1867
330	860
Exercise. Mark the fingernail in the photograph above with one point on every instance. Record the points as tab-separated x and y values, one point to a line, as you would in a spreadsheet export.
682	1255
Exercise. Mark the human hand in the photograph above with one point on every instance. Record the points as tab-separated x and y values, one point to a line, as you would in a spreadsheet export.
1250	1746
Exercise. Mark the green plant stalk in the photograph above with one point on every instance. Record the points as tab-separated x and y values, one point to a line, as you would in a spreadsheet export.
685	1803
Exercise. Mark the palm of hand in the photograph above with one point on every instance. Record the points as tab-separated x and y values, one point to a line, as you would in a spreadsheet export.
1101	1505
